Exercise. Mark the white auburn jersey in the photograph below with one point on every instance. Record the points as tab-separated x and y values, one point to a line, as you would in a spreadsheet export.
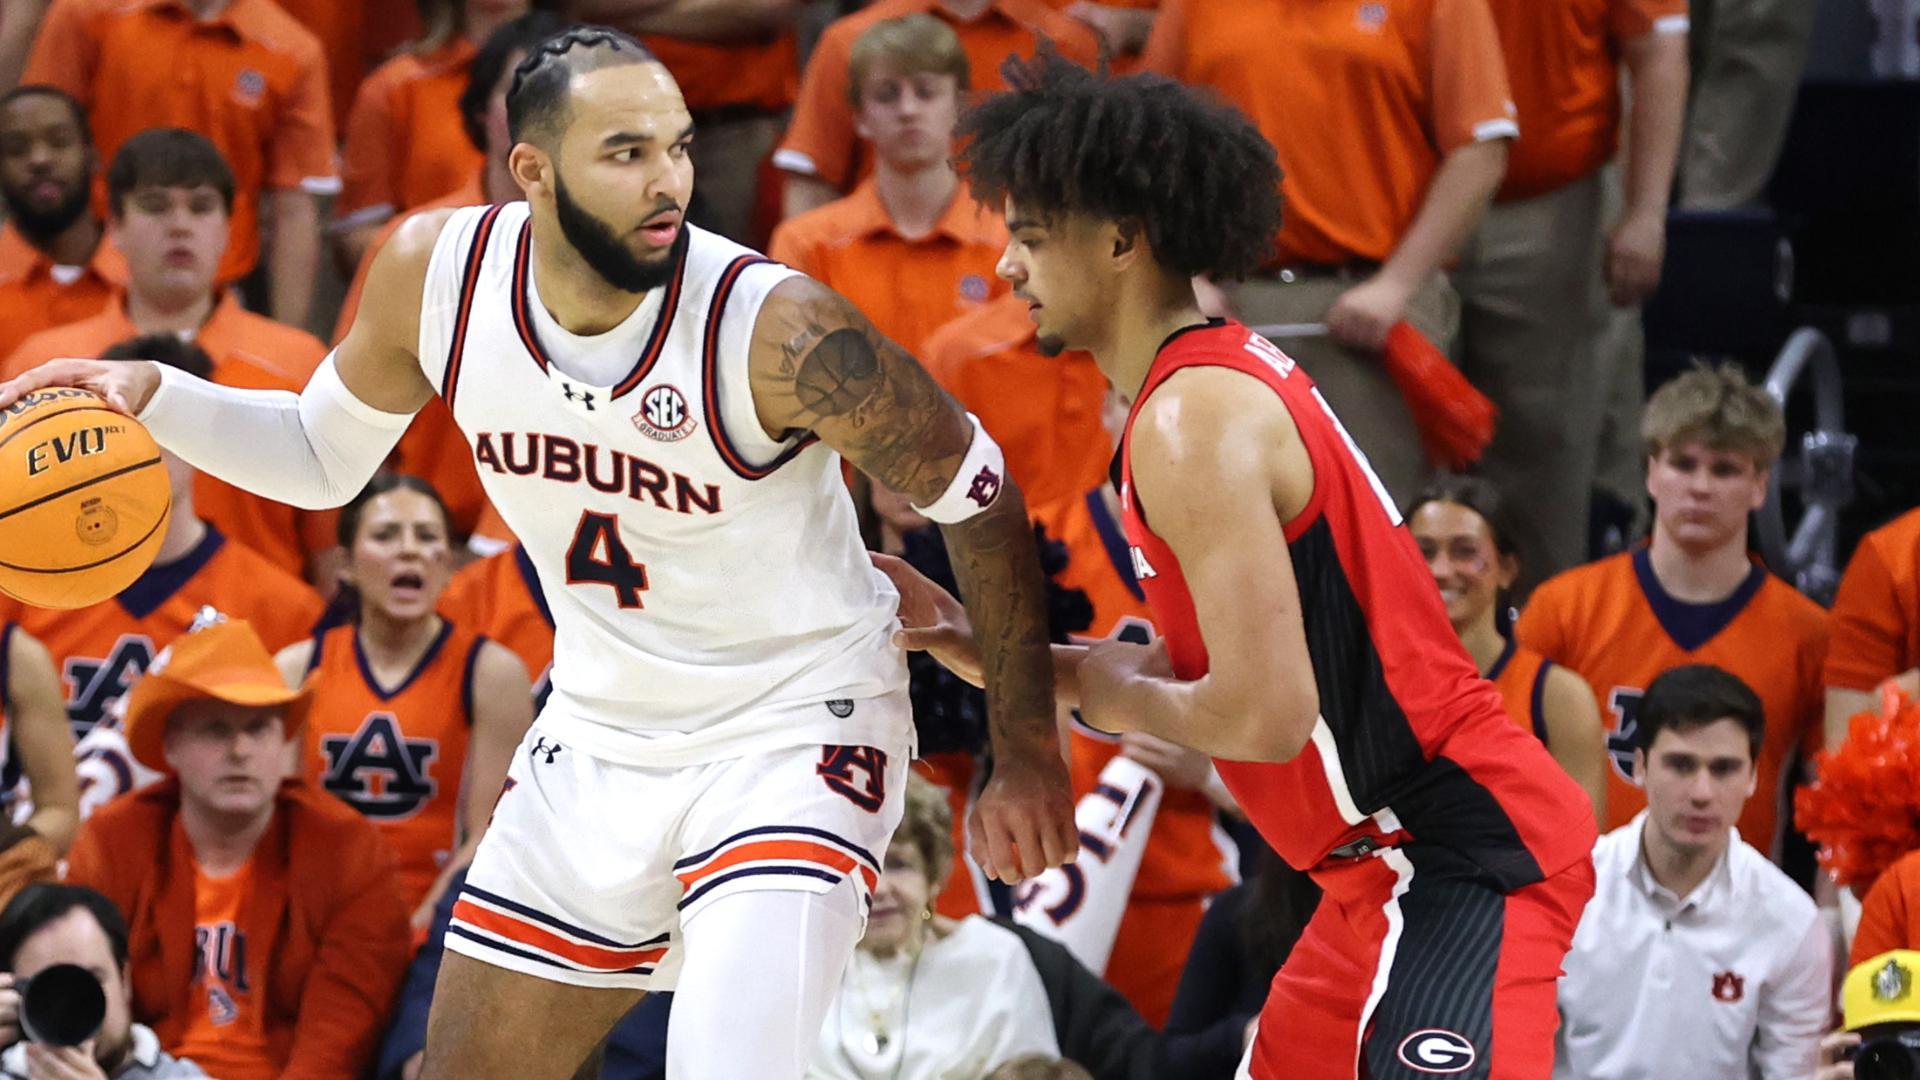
709	589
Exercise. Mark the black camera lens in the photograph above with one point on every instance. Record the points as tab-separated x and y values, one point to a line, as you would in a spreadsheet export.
62	1005
1886	1059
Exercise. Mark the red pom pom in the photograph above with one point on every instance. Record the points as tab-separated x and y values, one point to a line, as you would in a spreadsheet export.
1864	810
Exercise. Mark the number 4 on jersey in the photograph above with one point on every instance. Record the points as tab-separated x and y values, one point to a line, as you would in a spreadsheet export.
598	556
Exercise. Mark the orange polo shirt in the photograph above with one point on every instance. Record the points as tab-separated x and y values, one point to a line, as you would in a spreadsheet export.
909	288
1876	616
820	140
251	79
1361	100
433	448
33	296
250	352
761	75
1563	60
226	1030
405	145
1044	411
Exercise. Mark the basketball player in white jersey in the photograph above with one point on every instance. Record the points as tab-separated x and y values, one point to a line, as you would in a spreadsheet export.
656	412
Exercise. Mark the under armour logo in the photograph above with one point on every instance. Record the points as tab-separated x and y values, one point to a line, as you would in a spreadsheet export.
584	397
540	746
985	487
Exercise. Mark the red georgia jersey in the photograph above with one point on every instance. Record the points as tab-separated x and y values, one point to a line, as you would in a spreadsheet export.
1411	743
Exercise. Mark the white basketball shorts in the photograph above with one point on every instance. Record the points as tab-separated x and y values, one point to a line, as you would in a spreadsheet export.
589	866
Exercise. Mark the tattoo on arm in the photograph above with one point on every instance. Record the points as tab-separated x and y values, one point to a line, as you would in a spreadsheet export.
867	398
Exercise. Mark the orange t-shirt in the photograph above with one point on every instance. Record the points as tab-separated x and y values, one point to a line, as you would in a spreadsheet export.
34	298
820	140
100	650
250	79
1890	912
1521	677
499	597
1563	60
1876	616
1360	100
1044	411
405	144
759	74
1613	624
433	447
909	288
226	1031
250	352
396	754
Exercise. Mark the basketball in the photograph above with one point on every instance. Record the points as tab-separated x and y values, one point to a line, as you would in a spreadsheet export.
84	499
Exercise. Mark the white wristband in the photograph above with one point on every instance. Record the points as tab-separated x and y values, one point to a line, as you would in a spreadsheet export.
977	486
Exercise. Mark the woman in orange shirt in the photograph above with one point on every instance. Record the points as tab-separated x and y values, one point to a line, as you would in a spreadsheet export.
1460	524
413	719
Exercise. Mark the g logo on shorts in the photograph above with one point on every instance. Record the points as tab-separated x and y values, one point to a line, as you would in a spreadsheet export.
1437	1051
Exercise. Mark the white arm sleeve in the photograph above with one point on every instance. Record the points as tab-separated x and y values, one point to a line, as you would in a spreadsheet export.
314	450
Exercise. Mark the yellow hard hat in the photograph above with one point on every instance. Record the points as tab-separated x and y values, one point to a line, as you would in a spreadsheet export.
1883	990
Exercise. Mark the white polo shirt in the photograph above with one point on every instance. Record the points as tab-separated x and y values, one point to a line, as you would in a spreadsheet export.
1732	981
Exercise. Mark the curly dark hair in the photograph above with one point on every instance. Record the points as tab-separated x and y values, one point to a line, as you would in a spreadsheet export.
1191	170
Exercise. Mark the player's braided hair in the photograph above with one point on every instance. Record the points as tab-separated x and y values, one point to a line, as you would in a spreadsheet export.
538	97
1191	171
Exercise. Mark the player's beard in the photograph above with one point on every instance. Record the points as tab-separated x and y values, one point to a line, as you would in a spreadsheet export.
44	225
600	246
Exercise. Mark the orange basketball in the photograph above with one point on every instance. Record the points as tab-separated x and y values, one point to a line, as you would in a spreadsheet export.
84	499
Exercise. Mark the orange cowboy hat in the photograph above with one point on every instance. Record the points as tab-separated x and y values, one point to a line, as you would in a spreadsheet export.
222	661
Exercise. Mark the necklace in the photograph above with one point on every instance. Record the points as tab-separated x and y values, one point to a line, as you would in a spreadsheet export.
879	1037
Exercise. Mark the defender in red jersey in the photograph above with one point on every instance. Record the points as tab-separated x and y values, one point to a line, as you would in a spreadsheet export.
1304	644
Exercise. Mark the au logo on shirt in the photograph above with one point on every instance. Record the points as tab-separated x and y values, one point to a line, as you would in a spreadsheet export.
1729	987
249	87
378	770
1372	17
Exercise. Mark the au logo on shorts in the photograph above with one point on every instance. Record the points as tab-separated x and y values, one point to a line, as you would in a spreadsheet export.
1436	1051
664	415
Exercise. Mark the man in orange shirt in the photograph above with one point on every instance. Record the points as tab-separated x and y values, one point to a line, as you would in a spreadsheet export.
738	67
267	927
1693	595
1043	410
1391	121
1876	623
53	267
168	193
1535	279
241	72
821	153
910	247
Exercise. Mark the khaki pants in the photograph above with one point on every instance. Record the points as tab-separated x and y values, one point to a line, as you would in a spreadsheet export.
1747	57
1354	382
1533	320
726	172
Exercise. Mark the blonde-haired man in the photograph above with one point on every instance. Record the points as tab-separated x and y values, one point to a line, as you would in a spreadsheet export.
1692	594
910	247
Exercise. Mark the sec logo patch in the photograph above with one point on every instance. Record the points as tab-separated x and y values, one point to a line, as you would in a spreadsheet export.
664	415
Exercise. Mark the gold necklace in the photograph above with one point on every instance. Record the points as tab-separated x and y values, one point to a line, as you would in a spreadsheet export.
879	1034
